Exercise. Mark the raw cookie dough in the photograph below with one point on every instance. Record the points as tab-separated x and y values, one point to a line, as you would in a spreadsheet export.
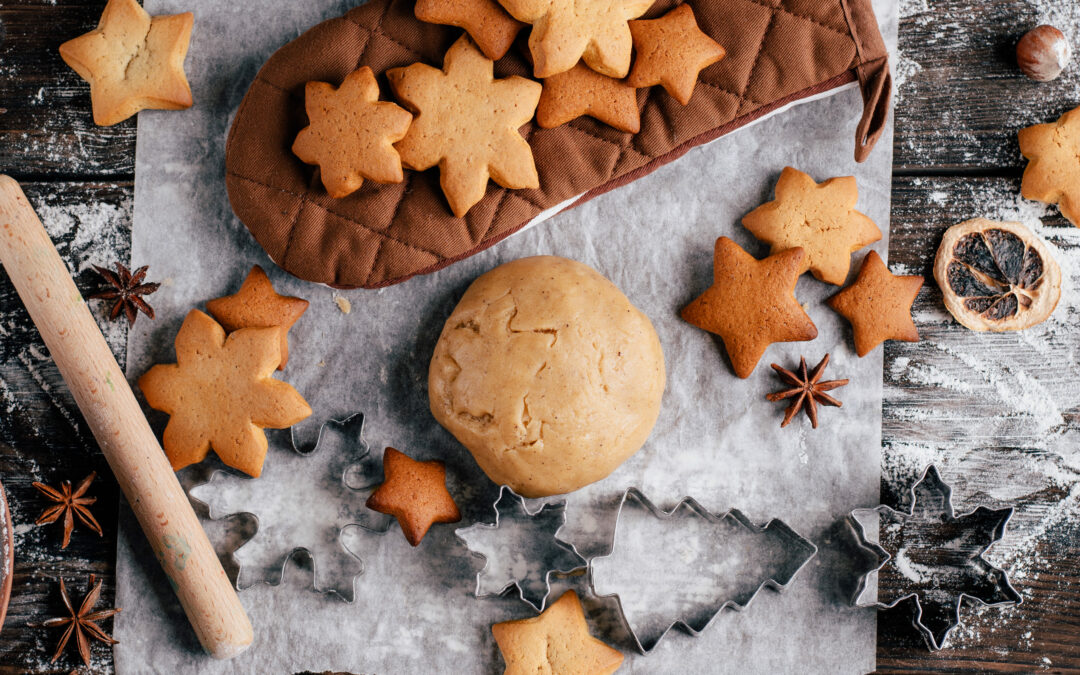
547	374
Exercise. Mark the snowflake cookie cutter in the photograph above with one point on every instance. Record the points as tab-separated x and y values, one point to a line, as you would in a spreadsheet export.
936	558
322	517
508	547
758	557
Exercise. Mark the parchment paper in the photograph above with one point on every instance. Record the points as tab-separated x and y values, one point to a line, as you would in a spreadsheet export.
717	438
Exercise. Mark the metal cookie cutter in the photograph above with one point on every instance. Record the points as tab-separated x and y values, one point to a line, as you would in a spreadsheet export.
521	549
682	567
933	556
303	502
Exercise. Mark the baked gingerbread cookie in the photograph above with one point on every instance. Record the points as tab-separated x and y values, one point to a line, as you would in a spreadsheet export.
751	303
1053	175
566	31
583	91
351	133
258	305
133	61
819	218
415	494
487	23
878	305
220	394
556	642
671	51
467	123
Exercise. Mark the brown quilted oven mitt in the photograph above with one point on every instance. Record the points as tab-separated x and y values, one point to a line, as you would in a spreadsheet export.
778	51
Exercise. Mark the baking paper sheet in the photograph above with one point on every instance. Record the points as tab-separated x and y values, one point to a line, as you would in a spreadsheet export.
717	438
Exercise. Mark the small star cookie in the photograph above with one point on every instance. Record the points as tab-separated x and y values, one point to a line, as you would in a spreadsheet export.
583	91
258	305
486	22
565	31
556	642
751	303
220	394
467	122
1053	176
351	133
671	51
414	493
819	218
878	305
132	61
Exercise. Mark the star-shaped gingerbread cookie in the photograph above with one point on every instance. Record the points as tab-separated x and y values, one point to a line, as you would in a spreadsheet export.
415	493
557	641
486	22
751	303
220	394
565	31
583	91
671	51
878	305
351	133
819	218
132	61
258	305
467	122
1053	176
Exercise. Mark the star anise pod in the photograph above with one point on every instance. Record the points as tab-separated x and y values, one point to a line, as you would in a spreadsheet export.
69	504
127	291
806	389
82	623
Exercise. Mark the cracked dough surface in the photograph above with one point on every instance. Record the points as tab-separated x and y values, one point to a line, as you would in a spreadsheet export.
547	374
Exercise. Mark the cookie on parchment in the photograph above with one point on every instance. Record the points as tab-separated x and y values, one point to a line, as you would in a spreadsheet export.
751	303
878	305
487	23
819	218
415	493
467	123
583	91
220	394
671	51
351	133
1053	176
133	61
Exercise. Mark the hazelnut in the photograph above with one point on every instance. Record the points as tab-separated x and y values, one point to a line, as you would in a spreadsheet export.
1043	53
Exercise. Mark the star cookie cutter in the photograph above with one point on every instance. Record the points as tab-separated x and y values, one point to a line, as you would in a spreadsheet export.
521	549
936	558
320	519
743	558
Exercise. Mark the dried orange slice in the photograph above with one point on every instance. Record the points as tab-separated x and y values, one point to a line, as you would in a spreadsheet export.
996	276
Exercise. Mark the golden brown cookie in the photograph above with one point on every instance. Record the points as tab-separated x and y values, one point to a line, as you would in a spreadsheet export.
258	305
878	305
819	218
487	23
583	91
565	31
1053	176
220	394
751	303
414	493
556	642
671	51
351	133
132	61
467	122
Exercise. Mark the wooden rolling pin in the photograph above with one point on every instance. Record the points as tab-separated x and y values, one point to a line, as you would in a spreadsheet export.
114	416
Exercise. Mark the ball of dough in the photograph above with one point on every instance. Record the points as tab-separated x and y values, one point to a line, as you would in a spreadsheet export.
547	374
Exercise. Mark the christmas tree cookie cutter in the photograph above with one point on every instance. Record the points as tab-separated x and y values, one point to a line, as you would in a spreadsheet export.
521	549
931	556
320	519
713	561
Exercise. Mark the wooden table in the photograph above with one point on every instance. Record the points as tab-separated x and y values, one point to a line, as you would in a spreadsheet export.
962	101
